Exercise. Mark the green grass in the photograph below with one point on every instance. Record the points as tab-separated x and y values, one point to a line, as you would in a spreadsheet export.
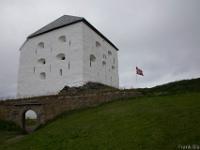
31	122
146	123
8	130
183	86
8	126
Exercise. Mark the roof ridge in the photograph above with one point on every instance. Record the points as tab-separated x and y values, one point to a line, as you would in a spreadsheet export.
71	16
55	24
66	20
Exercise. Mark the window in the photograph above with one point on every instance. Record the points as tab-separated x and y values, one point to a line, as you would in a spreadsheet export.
33	69
98	44
62	38
41	45
60	56
69	65
103	63
60	72
104	56
42	61
113	67
42	75
109	53
92	59
70	43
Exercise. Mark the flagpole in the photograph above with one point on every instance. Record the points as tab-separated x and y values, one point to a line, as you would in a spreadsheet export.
138	72
136	81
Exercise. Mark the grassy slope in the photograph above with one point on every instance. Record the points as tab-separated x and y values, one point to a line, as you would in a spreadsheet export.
183	86
150	123
8	130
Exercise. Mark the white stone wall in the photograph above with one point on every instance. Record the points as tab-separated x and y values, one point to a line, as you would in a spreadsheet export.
29	82
98	72
80	43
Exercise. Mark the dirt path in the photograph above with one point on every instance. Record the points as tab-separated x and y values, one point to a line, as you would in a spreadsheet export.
15	139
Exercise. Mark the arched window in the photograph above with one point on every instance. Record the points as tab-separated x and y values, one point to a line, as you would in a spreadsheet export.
98	44
92	59
62	38
41	45
42	61
42	75
60	56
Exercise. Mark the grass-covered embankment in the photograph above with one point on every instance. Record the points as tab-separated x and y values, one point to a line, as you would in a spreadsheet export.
8	130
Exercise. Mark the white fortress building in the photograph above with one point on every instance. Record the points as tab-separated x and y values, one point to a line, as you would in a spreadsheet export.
67	52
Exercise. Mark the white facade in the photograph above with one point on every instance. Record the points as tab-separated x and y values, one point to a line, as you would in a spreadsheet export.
72	55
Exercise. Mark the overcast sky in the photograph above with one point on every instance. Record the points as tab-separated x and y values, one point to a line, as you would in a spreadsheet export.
162	37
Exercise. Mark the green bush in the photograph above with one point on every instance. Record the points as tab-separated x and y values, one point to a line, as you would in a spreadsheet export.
8	126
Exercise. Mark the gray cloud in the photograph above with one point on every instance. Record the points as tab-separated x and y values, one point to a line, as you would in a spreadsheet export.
162	37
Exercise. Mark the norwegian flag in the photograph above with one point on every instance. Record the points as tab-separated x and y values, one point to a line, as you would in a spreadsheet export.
139	71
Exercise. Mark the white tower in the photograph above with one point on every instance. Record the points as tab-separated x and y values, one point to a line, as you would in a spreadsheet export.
69	51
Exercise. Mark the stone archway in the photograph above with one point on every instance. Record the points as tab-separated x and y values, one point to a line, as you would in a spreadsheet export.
30	120
30	123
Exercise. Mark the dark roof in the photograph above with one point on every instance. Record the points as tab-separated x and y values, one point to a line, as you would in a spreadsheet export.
65	21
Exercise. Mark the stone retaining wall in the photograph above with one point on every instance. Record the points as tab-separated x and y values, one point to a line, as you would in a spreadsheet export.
48	107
